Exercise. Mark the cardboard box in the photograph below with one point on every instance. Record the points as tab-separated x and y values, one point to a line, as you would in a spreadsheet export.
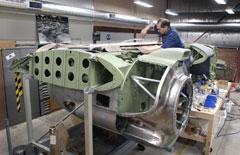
7	43
222	84
53	105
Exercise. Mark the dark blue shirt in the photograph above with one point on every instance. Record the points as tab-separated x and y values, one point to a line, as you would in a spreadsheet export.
171	39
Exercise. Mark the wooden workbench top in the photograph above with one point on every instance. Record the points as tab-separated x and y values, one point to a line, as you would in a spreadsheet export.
206	113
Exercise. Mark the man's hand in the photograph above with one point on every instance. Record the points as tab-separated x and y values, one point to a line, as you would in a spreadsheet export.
146	29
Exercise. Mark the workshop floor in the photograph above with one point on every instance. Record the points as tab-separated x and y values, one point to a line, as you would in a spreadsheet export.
225	144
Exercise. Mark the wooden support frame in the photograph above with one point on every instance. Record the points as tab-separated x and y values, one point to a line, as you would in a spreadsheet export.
2	94
209	116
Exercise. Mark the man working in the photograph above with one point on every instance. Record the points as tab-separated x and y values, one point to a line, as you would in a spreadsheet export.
170	37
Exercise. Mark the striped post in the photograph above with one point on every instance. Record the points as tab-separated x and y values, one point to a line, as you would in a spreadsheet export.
19	90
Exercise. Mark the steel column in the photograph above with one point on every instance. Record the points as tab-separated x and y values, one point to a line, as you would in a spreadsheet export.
88	124
9	139
28	106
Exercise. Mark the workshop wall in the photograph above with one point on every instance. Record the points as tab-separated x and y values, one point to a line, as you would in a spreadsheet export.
231	56
17	27
80	31
23	28
129	8
109	37
206	11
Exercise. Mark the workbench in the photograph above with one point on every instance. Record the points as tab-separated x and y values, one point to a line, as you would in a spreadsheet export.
208	115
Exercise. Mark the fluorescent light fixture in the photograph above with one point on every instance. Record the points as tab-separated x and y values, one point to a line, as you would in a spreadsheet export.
193	20
171	12
142	3
131	18
230	11
182	25
126	17
220	1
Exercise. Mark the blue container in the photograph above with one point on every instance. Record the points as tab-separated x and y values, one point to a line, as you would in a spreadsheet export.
210	101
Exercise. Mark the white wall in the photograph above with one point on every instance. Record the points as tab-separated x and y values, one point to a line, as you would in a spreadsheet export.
17	27
22	26
114	37
80	31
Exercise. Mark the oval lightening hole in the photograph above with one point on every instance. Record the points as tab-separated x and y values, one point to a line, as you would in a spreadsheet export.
36	59
47	60
85	78
36	71
70	76
58	74
58	61
71	62
47	73
85	63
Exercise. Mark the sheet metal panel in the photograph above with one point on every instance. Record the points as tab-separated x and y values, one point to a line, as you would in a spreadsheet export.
14	116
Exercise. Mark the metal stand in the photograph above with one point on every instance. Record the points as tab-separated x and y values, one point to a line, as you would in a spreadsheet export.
88	103
27	149
9	139
28	106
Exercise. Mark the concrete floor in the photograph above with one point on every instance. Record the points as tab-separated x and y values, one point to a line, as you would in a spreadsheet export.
40	126
224	145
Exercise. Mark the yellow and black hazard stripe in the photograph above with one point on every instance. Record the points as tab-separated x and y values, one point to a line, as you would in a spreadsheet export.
19	90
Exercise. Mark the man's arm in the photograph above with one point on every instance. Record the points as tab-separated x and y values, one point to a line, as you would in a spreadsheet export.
145	30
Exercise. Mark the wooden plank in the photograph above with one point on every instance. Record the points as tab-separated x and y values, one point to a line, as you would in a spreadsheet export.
194	137
7	43
238	68
2	94
209	137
